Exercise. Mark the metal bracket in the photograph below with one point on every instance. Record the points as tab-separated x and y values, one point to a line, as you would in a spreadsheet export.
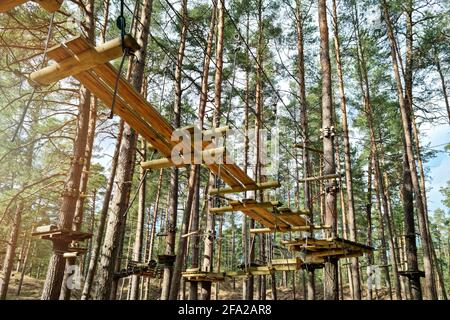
327	132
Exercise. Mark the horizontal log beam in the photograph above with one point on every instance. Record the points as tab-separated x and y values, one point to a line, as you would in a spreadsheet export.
302	146
239	207
320	178
84	61
293	229
168	162
258	186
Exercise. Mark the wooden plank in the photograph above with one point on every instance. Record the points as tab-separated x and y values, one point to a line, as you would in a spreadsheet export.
76	45
168	162
82	61
6	5
321	178
241	206
138	102
252	187
50	5
153	136
224	175
239	174
103	92
301	146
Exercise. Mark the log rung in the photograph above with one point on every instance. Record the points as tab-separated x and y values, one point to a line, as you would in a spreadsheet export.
321	178
258	186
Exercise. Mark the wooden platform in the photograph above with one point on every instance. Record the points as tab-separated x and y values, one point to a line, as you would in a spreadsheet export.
202	276
142	269
166	259
78	250
269	214
318	250
289	264
410	273
49	5
61	234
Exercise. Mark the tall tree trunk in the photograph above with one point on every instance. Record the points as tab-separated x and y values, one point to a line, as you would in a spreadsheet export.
195	244
330	279
247	285
410	231
208	253
70	196
379	181
79	211
155	216
124	170
347	158
438	271
304	126
173	208
10	251
406	122
30	249
383	248
140	225
96	245
408	79
193	286
259	177
370	261
182	240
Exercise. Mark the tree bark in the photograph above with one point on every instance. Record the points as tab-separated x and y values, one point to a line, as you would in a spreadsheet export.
10	251
370	259
406	122
379	180
70	196
208	253
96	246
79	211
347	158
114	228
173	208
140	225
330	279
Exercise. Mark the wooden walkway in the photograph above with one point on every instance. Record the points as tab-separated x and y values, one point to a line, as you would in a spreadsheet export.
90	66
269	214
49	5
318	250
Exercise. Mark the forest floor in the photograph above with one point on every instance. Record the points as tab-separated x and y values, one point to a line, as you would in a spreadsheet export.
32	287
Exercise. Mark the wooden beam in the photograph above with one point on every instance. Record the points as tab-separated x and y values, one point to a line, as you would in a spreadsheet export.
6	5
168	162
301	146
258	186
289	229
239	207
320	178
83	61
71	254
50	5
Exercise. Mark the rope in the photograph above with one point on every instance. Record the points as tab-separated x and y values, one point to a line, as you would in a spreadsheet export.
27	106
116	84
136	193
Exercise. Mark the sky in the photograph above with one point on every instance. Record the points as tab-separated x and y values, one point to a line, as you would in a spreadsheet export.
439	167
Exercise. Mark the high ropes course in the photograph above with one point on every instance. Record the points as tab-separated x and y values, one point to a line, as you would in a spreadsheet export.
91	66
